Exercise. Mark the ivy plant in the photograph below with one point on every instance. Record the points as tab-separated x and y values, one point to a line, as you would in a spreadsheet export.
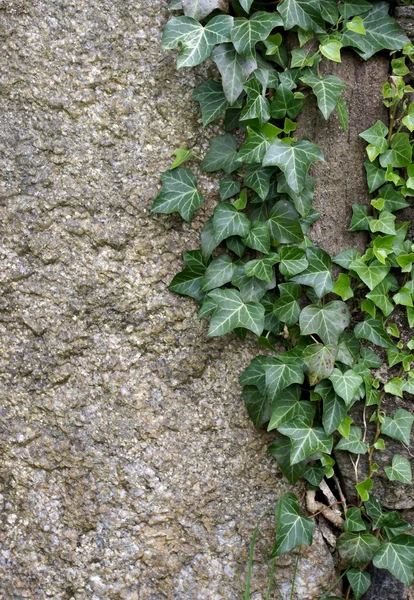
258	271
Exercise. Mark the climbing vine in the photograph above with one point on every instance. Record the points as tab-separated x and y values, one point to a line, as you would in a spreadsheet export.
257	270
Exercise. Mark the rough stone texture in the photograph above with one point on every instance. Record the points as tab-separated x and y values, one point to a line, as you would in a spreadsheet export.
129	468
342	178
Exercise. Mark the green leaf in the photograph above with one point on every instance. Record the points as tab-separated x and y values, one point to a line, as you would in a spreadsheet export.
400	154
284	225
254	147
398	427
329	10
178	194
357	548
292	528
342	113
332	50
397	557
228	221
303	13
303	199
181	155
294	161
286	308
359	581
246	4
319	360
258	237
381	32
360	219
392	525
195	40
379	295
232	312
285	103
354	443
257	178
344	259
305	439
257	405
228	188
198	9
251	288
328	321
342	287
406	262
234	69
371	274
375	175
247	32
292	260
212	100
327	91
314	474
188	282
288	407
334	410
400	470
282	372
408	120
384	224
280	450
350	8
356	25
222	154
301	58
262	268
348	349
403	297
317	275
353	521
373	508
373	330
208	240
346	384
219	272
256	106
376	135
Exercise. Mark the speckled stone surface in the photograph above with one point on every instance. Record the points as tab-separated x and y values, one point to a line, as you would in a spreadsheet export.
129	469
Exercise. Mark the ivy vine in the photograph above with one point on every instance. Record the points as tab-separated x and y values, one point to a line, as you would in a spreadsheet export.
258	271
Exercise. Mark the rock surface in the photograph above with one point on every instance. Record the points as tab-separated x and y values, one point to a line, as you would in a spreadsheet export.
129	468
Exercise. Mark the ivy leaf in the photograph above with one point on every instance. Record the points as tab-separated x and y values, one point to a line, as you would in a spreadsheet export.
258	237
400	153
319	360
350	8
317	275
348	349
188	282
376	135
251	288
178	194
371	274
346	384
344	259
292	260
392	525
262	268
281	372
331	49
286	308
196	41
375	175
234	69
198	9
327	91
257	178
228	221
400	470
285	103
359	581
354	443
303	199
257	106
222	154
357	548
292	528
294	161
280	450
254	148
305	439
284	225
342	287
288	407
212	100
398	427
373	330
247	32
353	521
329	10
228	188
246	5
334	410
219	272
303	13
328	321
232	312
360	219
384	224
379	295
381	32
373	509
314	474
397	557
408	120
257	405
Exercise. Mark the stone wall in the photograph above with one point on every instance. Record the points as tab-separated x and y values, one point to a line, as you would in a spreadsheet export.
129	468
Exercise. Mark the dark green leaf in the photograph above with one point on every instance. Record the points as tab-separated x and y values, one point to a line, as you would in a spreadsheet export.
222	154
327	91
397	557
232	312
305	439
317	275
219	272
228	188
319	360
360	219
354	443
257	178
303	13
400	153
284	103
247	32
254	148
234	69
292	260
212	100
280	450
359	582
375	175
399	426
288	407
286	308
373	330
328	321
353	521
257	405
228	221
284	224
178	194
258	237
357	548
292	528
